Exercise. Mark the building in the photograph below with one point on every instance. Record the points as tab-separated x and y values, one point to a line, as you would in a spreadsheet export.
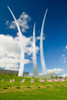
2	71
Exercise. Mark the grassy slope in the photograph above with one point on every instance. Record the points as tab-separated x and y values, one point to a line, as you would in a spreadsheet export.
38	94
48	91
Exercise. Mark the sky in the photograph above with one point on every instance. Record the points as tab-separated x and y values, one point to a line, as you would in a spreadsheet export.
27	12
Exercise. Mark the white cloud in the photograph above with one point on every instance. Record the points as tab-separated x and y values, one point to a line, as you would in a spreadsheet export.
64	58
11	46
55	70
11	63
10	51
66	47
22	21
7	22
62	55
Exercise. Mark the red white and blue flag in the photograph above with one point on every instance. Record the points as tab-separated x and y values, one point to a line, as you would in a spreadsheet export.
49	80
23	80
41	80
32	80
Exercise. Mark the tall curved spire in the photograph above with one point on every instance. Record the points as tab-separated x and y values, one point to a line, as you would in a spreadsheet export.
34	53
44	71
22	45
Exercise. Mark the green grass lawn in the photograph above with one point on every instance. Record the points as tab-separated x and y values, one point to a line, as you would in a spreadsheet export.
59	93
32	91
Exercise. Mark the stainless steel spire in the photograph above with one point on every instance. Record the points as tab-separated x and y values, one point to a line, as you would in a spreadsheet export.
34	54
44	71
22	45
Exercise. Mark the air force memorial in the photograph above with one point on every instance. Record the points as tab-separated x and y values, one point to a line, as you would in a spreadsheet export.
22	46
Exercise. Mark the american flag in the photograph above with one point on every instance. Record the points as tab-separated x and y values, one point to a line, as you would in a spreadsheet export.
41	80
56	80
23	80
49	80
32	80
11	80
62	80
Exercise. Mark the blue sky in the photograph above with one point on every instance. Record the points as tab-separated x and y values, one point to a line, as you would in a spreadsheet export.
55	28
